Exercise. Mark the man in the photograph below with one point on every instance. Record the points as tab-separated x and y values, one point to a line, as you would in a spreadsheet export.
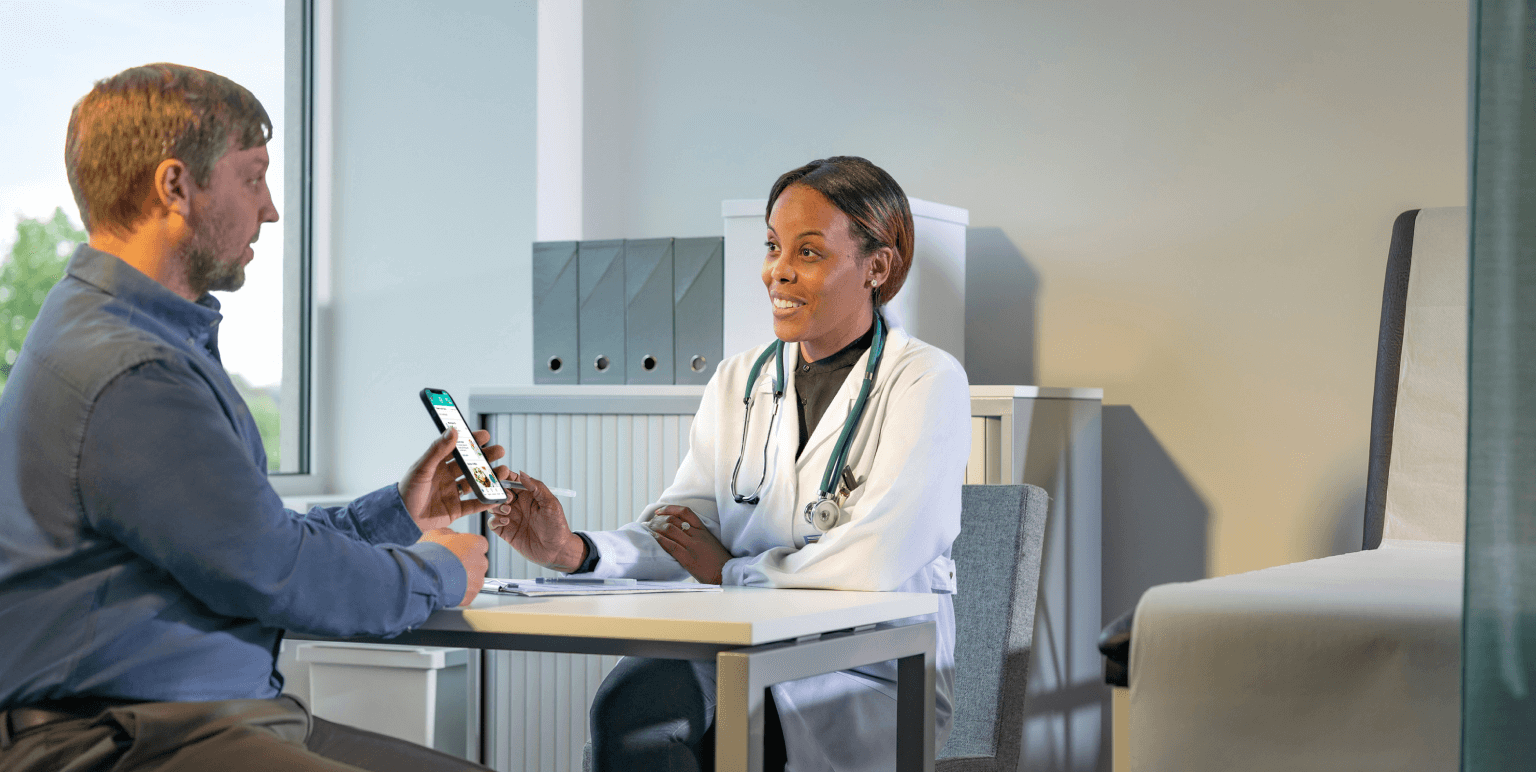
147	568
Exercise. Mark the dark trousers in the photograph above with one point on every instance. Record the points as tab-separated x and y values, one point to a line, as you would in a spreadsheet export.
659	714
230	735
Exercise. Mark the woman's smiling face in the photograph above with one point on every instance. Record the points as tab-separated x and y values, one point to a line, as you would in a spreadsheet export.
817	283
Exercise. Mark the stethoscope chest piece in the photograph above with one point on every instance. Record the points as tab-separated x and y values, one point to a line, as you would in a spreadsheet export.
824	514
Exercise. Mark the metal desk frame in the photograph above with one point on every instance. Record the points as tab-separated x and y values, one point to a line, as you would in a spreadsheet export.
744	673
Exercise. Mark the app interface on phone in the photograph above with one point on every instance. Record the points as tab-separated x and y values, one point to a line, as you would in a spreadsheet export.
479	468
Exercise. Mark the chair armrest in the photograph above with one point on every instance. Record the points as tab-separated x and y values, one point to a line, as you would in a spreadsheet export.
1115	645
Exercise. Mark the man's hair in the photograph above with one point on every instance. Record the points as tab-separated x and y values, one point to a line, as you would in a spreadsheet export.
129	123
877	209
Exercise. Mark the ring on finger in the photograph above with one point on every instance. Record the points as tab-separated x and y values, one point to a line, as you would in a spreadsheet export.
685	525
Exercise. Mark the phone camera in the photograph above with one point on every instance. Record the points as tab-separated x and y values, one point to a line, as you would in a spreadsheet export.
555	363
601	363
649	363
697	364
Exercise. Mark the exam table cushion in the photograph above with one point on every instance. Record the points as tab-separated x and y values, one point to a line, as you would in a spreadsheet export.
1346	663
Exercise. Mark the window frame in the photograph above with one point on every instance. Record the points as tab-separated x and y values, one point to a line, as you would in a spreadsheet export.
306	247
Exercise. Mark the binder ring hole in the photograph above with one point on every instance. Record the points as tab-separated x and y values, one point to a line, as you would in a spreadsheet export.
697	364
649	363
555	363
601	363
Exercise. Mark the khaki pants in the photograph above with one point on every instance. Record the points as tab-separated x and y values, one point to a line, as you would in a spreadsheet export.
232	735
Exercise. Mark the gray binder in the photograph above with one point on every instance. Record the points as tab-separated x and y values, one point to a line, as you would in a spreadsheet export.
554	312
648	311
697	303
600	283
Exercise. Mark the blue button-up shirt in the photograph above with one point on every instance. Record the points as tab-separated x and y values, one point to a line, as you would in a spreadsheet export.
143	555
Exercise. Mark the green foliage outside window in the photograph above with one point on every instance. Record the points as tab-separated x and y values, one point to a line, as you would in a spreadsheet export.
36	262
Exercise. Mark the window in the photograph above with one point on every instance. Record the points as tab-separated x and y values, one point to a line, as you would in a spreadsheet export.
53	52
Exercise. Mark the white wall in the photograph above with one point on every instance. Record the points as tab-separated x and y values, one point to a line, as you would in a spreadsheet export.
433	213
1186	203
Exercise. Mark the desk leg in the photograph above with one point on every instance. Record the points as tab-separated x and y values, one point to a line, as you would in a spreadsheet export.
739	706
744	674
914	712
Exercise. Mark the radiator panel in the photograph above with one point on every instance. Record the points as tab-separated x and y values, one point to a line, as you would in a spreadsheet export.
536	703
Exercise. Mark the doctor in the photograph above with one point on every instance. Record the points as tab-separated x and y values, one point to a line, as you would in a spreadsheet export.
841	471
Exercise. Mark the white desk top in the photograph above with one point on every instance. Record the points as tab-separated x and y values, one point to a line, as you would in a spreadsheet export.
741	616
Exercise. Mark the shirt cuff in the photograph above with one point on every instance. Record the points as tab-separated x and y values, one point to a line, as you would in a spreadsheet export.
450	572
382	518
590	563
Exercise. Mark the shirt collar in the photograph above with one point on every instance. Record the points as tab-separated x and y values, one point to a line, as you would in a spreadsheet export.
842	360
117	278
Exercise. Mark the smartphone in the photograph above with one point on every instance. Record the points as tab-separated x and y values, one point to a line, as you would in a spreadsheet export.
471	461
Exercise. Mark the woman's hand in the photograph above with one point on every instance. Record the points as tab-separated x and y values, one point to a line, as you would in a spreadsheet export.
682	534
533	522
432	487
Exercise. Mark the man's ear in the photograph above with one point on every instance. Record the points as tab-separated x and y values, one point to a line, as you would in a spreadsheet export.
173	187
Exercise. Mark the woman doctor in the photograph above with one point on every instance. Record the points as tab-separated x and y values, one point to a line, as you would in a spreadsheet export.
771	493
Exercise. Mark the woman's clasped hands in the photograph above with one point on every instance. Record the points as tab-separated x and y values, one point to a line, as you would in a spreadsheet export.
684	536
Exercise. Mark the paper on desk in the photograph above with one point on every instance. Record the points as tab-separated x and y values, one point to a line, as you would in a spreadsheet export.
532	589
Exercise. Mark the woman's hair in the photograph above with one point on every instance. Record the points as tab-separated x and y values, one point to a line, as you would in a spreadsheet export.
874	203
129	123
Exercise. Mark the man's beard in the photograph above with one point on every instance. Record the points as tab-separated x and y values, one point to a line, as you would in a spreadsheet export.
205	272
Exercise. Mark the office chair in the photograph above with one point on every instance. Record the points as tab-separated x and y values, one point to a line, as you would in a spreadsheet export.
1349	662
997	557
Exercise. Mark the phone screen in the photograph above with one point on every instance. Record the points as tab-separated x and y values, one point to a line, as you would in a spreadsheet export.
476	467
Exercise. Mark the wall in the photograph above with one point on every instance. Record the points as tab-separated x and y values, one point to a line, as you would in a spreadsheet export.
432	215
1186	203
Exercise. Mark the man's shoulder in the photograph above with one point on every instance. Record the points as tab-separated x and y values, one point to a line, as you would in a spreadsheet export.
84	338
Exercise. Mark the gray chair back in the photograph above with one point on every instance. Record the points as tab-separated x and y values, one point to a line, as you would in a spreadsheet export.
997	558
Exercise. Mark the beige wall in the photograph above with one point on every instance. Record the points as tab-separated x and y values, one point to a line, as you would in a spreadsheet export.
1186	203
1202	192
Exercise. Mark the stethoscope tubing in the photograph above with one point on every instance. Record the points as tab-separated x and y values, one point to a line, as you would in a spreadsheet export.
840	451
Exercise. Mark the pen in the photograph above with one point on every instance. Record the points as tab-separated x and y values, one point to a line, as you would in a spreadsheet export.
581	580
517	486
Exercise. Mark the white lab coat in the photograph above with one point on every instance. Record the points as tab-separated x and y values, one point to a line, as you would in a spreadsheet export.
909	455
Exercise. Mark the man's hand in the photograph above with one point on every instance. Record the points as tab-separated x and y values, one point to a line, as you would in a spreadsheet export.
433	485
470	549
533	522
682	534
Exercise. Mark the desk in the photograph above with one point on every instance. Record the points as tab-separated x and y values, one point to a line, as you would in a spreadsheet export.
758	637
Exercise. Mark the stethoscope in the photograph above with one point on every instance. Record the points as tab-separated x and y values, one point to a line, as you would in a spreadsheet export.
826	512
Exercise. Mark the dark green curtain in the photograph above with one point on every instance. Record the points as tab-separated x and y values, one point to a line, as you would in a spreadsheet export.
1499	624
